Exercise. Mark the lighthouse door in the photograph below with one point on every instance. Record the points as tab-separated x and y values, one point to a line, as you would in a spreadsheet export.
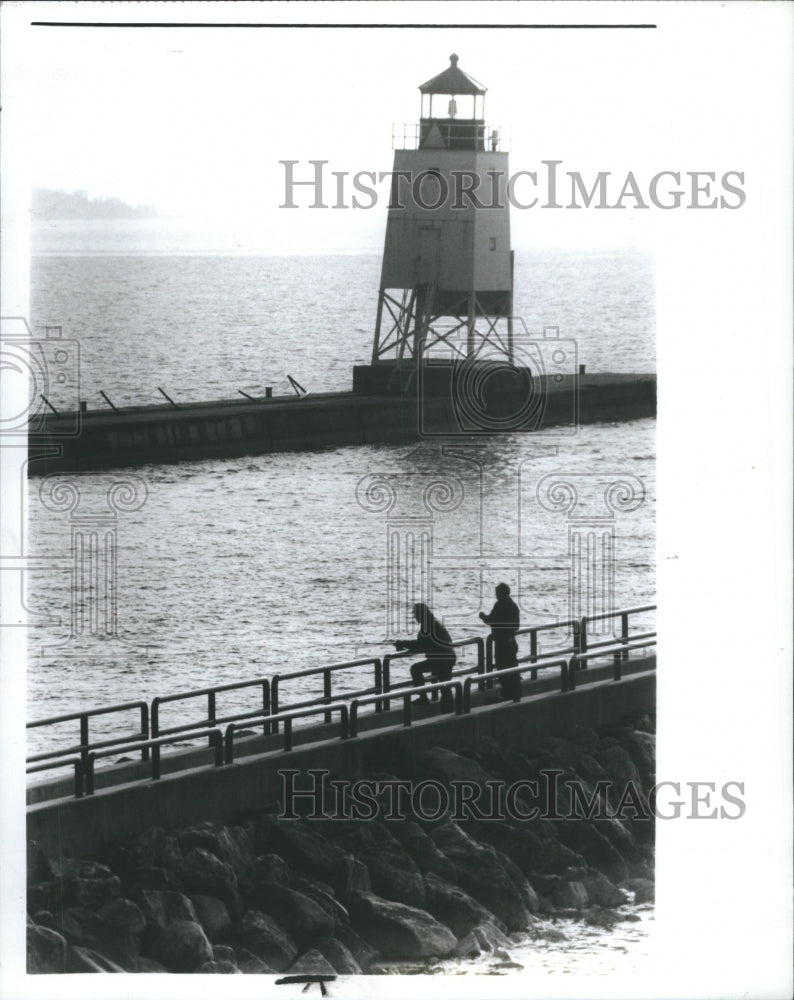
429	253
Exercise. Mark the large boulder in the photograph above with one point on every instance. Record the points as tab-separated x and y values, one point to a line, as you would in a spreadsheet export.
230	844
339	956
303	918
153	848
261	935
45	896
203	873
312	963
182	946
212	915
531	853
323	896
219	968
400	931
39	868
641	747
46	950
453	907
421	847
122	923
310	853
487	875
86	960
601	891
93	893
268	869
643	889
394	874
247	962
161	908
361	950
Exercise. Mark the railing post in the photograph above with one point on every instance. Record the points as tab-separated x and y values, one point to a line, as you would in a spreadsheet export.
266	705
229	744
407	709
154	716
624	629
274	702
353	729
145	730
386	681
617	673
217	741
573	666
345	726
327	693
156	762
84	737
288	734
378	683
78	779
89	774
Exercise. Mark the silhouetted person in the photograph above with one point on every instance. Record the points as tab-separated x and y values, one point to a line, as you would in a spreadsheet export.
504	620
433	640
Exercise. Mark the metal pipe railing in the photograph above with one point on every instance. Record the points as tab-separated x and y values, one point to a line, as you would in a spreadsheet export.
326	671
534	654
480	668
619	651
286	717
515	672
85	745
455	686
215	739
210	693
623	614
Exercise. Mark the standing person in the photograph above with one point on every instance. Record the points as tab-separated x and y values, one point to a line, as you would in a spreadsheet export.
433	640
504	620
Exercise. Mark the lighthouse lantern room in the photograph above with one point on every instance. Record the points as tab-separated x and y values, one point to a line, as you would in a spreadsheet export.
447	275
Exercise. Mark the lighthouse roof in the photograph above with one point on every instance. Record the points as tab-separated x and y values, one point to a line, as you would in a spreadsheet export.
452	81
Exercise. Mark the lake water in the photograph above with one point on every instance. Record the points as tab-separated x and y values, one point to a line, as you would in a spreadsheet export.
237	568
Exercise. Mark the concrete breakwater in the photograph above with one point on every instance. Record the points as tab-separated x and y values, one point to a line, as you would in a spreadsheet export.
95	439
333	892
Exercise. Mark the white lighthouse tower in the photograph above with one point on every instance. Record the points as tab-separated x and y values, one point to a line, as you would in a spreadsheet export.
447	276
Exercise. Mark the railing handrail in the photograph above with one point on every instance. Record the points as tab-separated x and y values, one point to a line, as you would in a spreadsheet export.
210	692
331	667
89	712
406	693
286	717
270	715
515	672
617	614
213	689
213	734
617	647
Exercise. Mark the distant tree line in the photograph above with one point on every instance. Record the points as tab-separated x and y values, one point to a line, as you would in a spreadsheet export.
47	204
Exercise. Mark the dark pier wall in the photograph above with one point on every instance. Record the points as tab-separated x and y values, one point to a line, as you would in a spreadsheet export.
139	435
89	826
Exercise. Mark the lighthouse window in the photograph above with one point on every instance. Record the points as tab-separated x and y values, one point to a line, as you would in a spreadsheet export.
492	242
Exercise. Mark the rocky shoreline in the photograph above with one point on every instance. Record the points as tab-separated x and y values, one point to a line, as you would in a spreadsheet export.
327	896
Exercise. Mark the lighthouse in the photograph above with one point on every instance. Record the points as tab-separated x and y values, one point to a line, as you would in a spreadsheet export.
446	283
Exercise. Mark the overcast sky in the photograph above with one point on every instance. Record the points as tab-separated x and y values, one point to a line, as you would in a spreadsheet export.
196	121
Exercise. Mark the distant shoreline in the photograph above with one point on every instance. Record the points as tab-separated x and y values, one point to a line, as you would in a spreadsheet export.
49	205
